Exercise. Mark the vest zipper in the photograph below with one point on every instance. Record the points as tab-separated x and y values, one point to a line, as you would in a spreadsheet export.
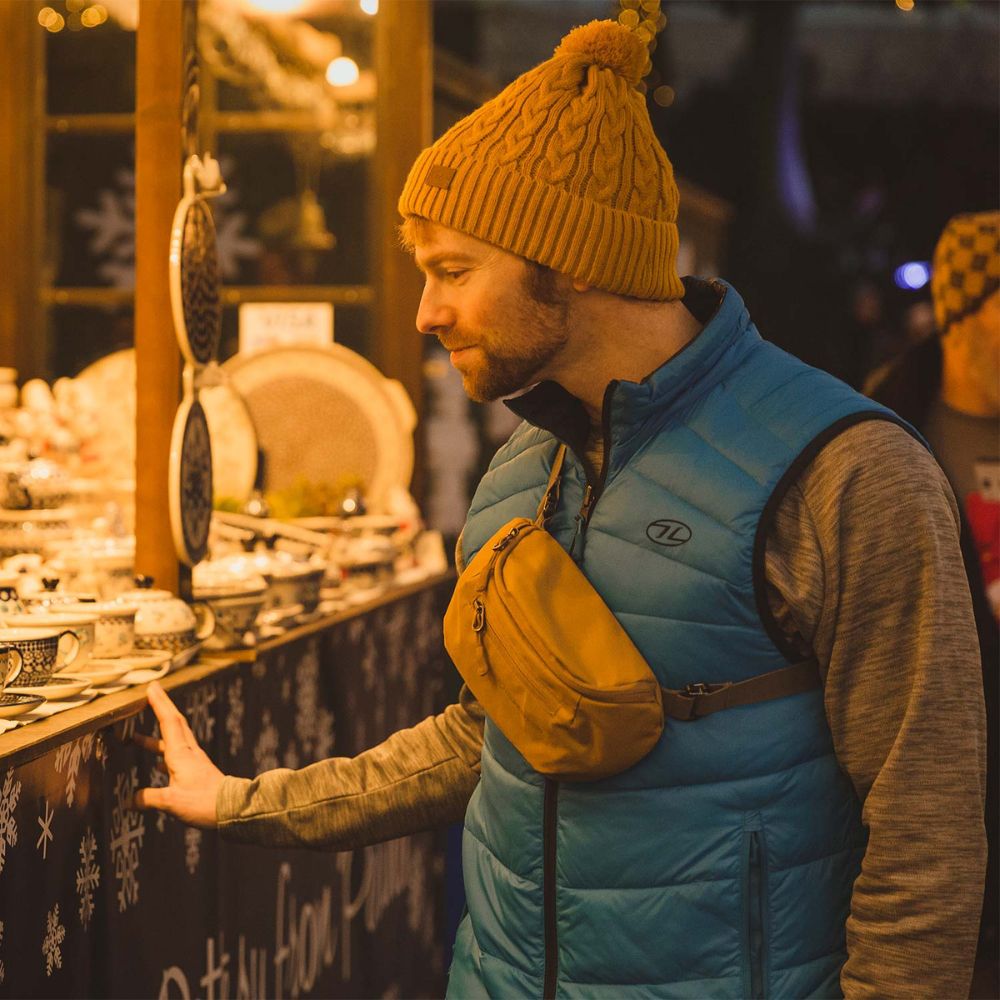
755	914
593	491
549	818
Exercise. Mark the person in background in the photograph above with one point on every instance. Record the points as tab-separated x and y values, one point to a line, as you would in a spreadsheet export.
815	844
949	388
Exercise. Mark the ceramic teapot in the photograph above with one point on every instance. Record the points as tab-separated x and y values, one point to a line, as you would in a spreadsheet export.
164	621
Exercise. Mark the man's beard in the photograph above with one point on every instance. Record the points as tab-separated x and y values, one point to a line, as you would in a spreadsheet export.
542	328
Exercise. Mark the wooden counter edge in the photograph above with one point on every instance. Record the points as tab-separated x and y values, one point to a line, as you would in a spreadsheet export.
25	743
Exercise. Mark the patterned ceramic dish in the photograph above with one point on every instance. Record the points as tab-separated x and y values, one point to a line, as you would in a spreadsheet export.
163	621
13	705
54	688
39	650
82	624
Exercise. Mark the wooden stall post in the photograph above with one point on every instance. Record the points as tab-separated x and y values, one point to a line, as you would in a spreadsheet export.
165	134
404	69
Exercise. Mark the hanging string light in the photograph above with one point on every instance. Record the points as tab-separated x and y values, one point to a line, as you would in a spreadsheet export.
645	18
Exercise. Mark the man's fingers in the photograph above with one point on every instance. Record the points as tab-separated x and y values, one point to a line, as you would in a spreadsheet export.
173	725
152	798
148	743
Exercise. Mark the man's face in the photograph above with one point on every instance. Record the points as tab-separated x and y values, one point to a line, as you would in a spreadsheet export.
478	302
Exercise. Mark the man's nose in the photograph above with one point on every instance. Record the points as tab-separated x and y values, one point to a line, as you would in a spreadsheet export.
434	315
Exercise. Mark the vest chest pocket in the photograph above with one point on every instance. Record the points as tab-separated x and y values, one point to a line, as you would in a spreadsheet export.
755	923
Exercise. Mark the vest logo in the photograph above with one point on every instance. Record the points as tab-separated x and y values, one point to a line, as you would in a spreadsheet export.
668	532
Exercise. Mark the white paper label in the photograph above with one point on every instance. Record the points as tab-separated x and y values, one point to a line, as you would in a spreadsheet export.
284	324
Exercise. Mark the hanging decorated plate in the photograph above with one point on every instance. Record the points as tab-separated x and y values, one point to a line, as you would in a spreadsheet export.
194	281
190	482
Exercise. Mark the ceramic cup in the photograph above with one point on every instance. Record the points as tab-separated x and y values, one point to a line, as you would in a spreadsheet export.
81	624
39	650
10	665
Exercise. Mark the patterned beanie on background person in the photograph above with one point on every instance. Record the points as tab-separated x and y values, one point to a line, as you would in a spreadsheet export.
966	268
562	167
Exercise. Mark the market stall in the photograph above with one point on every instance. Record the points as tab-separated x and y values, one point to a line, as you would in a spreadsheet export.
99	900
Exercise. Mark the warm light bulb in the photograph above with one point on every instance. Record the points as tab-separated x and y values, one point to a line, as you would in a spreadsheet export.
906	5
342	72
369	6
276	6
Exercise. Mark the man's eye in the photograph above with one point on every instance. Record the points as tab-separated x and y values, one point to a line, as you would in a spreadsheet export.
453	275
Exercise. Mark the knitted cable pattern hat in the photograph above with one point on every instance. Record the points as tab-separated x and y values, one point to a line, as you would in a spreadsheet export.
562	167
966	268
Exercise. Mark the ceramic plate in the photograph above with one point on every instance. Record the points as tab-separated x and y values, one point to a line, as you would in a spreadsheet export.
111	380
327	415
185	656
190	482
52	689
234	442
101	671
18	704
194	281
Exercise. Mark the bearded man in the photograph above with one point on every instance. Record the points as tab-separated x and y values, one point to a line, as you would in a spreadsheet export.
816	844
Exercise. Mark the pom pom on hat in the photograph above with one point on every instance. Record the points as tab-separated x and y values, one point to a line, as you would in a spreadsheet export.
609	45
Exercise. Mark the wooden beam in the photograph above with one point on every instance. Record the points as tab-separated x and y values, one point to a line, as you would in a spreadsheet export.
23	335
404	69
166	106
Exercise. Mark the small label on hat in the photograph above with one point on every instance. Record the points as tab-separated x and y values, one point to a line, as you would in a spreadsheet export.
440	176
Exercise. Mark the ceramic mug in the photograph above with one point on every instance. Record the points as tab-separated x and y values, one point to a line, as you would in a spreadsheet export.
81	623
39	650
10	665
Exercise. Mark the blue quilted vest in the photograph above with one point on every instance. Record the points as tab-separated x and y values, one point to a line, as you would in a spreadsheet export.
720	865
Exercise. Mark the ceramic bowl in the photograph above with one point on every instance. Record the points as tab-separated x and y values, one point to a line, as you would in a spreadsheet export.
102	566
164	621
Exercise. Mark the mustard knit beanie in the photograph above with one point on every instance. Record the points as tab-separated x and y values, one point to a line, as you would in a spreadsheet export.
966	268
562	167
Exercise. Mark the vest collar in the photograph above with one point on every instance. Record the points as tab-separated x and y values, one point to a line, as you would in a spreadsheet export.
629	406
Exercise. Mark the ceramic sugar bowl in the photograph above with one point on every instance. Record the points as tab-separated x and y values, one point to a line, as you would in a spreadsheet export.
164	621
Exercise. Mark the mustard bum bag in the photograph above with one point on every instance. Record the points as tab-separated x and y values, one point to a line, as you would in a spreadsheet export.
554	669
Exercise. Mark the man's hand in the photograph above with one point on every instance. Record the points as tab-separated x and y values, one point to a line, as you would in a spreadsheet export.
194	779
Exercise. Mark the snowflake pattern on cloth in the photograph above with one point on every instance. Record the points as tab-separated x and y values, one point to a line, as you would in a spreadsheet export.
265	753
313	723
192	849
9	795
199	713
55	934
127	830
45	837
88	876
69	757
234	718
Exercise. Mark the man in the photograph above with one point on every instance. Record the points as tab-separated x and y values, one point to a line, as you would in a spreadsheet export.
949	388
823	842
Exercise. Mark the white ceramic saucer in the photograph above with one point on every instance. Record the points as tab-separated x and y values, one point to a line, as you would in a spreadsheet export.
102	671
17	704
53	688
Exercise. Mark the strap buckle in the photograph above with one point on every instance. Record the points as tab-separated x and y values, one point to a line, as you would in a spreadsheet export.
696	690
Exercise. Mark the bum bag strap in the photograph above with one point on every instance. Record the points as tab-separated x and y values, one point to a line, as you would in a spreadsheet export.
550	499
697	700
